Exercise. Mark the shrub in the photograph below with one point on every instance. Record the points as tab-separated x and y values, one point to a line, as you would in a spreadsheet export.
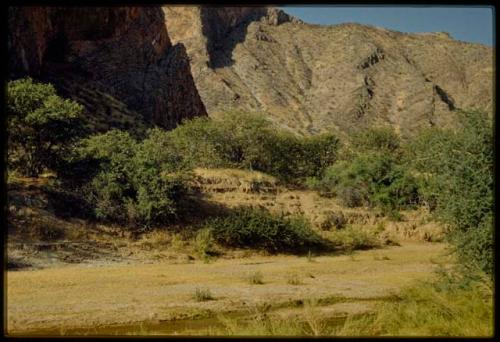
353	237
374	178
42	126
249	141
202	294
110	191
201	142
257	228
203	242
255	278
293	159
456	173
139	184
160	177
376	139
234	140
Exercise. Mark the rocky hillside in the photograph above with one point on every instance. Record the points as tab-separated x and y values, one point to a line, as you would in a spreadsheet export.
310	78
134	66
118	61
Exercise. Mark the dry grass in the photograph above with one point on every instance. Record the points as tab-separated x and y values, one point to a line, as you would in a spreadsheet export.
202	294
420	311
424	310
120	292
222	180
234	187
255	278
293	279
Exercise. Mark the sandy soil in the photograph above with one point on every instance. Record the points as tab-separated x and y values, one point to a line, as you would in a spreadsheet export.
92	296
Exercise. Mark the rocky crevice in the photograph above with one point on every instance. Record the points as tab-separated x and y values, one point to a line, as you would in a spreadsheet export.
445	97
374	58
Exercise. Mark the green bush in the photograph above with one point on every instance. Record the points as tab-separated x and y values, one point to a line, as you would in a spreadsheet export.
249	141
456	175
376	139
110	190
293	159
371	172
375	179
140	184
160	179
42	126
200	141
257	228
234	140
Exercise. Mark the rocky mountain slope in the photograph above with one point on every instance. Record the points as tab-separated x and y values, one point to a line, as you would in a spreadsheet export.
134	66
310	78
118	61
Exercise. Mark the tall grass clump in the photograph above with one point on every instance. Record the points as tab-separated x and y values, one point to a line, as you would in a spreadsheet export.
354	237
203	242
255	278
202	294
429	310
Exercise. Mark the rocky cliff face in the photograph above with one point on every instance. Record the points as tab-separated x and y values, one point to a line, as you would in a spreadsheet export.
310	78
118	61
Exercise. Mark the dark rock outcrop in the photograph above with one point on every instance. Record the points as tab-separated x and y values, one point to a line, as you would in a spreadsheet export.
120	52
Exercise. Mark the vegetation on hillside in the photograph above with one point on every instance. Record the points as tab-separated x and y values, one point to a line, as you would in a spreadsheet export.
144	183
247	227
41	126
456	181
241	140
371	172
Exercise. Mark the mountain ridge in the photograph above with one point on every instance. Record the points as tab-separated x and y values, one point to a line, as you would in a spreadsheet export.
161	65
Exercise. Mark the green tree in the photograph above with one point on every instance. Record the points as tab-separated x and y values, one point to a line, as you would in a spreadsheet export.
200	141
110	190
376	139
456	172
41	126
160	178
372	173
140	184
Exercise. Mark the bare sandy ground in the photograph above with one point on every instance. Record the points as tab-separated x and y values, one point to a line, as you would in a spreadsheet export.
89	296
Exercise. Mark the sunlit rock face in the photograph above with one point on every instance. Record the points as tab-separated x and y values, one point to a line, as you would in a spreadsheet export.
312	78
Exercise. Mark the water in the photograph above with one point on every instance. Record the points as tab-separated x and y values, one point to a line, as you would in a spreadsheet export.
184	327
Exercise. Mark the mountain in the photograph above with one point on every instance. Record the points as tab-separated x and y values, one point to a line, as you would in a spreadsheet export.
311	78
137	66
117	61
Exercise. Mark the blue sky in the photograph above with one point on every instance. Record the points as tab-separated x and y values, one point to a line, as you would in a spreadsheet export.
467	23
